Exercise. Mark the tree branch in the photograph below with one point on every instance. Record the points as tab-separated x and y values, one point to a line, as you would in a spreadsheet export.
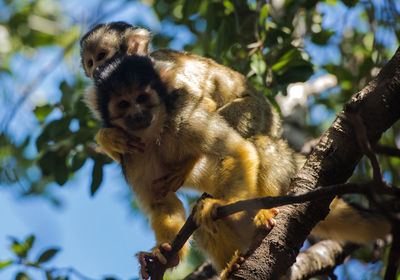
321	258
386	150
331	162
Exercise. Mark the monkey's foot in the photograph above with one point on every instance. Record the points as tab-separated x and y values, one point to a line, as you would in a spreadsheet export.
265	218
234	264
156	254
206	210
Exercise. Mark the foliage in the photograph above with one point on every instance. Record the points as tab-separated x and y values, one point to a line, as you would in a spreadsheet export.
273	45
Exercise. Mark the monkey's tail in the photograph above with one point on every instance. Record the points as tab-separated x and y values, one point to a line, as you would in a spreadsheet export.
346	223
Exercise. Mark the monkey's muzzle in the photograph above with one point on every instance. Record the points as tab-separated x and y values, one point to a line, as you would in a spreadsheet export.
139	121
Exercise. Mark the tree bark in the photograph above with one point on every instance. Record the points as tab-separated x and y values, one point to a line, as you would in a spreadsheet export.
321	258
332	162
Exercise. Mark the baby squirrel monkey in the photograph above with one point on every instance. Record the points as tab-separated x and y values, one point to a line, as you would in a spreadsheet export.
170	128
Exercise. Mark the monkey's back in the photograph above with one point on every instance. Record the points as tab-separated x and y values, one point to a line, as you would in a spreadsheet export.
242	106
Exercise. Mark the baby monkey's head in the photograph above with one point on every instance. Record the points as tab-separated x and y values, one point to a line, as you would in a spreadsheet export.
106	40
130	95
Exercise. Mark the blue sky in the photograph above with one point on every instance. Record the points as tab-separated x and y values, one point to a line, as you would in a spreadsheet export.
98	235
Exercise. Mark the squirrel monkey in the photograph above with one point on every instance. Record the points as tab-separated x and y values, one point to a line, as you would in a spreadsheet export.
167	129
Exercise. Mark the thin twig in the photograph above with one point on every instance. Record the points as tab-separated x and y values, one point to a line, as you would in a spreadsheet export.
394	255
365	147
387	150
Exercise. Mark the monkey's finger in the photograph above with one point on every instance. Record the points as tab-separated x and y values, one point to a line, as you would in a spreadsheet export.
143	257
135	148
275	211
272	222
136	142
158	254
166	246
143	273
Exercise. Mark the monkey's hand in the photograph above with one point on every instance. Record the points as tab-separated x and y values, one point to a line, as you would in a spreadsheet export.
206	210
156	254
265	218
115	142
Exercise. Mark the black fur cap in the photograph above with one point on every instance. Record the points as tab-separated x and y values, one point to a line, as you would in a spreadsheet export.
126	73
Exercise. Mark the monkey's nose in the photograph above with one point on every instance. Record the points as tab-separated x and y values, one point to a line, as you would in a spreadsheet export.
139	120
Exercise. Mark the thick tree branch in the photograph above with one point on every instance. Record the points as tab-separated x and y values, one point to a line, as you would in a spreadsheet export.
331	162
321	258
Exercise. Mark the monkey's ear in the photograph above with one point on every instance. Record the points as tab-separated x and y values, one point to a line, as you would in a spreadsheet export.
138	42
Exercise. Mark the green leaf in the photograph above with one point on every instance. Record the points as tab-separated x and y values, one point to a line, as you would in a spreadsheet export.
97	177
54	131
78	161
22	276
190	7
22	249
55	163
226	33
5	264
258	65
61	172
47	255
67	95
321	38
229	7
41	112
263	14
29	241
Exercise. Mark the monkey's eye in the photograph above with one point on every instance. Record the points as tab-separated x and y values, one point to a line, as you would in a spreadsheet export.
90	63
142	98
123	104
100	56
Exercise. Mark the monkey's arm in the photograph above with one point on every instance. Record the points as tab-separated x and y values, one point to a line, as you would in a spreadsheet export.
115	142
167	216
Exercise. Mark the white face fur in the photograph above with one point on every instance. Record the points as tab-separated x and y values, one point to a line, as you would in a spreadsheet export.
139	112
97	54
